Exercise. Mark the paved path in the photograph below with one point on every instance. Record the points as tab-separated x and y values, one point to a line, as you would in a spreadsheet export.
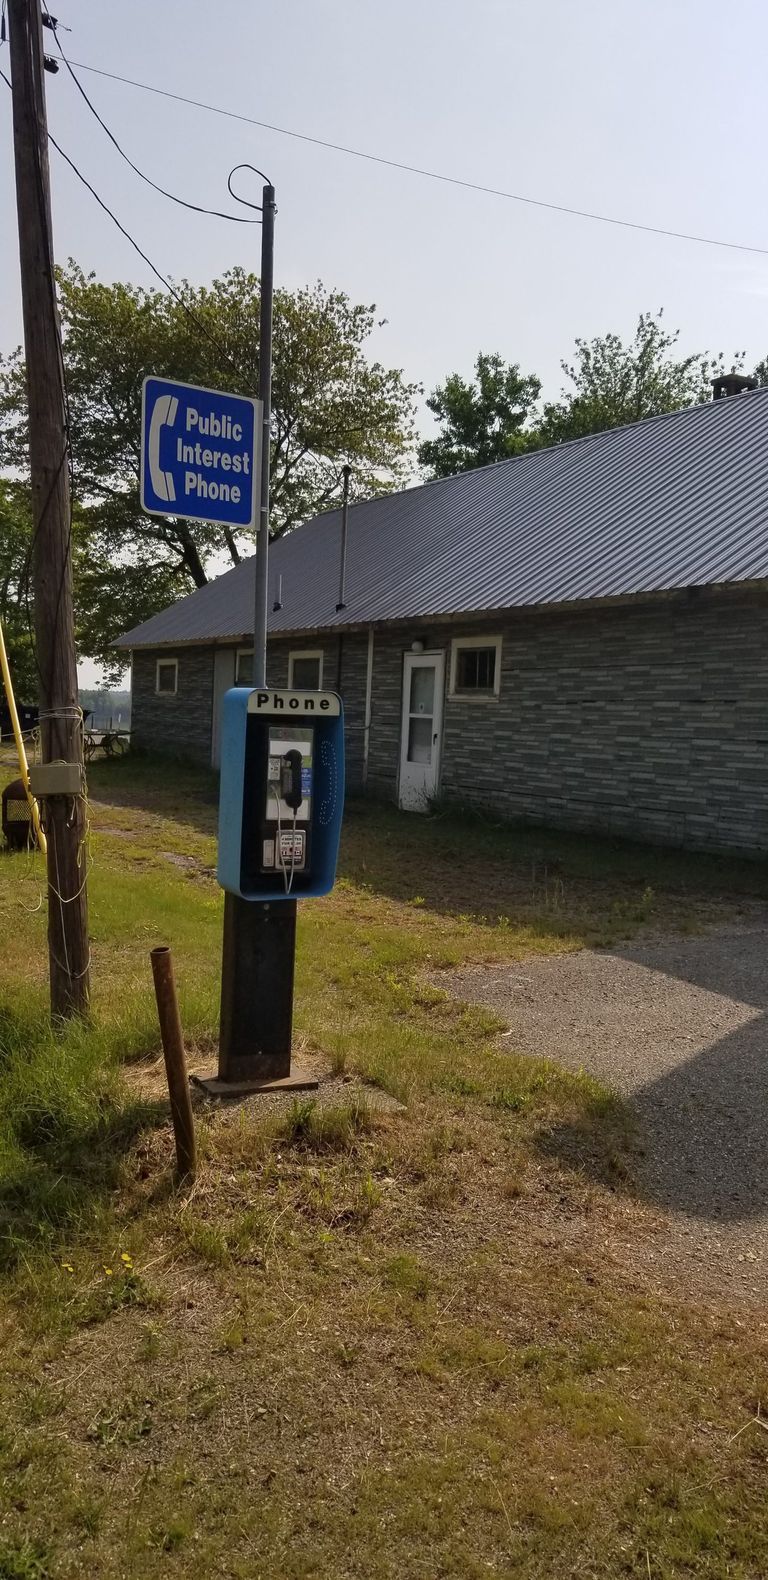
678	1026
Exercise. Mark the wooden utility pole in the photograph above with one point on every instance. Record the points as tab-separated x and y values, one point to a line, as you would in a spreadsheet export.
60	717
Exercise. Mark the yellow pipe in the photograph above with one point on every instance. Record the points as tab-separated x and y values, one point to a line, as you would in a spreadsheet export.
23	765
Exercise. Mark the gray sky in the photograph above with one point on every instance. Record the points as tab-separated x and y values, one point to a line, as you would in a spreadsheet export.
650	112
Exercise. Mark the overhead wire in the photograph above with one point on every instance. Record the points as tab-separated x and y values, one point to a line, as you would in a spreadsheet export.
423	171
166	283
197	208
50	716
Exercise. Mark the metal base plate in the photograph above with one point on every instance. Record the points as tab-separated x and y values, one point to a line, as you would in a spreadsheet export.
297	1081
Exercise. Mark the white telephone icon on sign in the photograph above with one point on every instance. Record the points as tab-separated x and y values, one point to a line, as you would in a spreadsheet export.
163	415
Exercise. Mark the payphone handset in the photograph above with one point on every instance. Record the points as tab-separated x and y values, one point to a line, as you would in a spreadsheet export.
282	792
288	803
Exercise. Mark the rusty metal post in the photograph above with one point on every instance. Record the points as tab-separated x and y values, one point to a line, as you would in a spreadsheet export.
175	1061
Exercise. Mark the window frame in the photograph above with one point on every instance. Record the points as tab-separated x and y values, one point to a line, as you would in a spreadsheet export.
167	663
478	693
305	652
243	652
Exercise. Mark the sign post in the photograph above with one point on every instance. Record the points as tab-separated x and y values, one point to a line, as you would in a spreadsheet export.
205	455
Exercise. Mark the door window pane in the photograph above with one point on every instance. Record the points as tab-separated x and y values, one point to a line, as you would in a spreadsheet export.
420	740
306	674
423	690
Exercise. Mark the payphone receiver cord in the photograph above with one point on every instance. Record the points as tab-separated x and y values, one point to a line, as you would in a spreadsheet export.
287	881
293	850
280	856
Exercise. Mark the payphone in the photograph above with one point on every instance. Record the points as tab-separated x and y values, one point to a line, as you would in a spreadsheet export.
282	793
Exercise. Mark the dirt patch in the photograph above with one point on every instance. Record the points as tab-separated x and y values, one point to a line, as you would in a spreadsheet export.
149	1081
190	864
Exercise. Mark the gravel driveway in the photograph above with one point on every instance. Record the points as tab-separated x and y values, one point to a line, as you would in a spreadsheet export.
678	1027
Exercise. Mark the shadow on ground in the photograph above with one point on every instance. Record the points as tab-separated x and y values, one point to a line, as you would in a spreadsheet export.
59	1180
65	1129
679	1029
158	785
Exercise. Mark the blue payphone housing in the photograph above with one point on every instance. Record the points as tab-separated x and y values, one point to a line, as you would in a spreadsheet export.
282	793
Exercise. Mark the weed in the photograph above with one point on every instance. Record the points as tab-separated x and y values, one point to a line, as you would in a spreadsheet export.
87	1514
318	1128
368	1198
203	1399
460	1085
406	1274
439	1192
206	1240
233	1334
167	1537
151	1344
510	1100
339	1060
512	1186
23	1561
121	1423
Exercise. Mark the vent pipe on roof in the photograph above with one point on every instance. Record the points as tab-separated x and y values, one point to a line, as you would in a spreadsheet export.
732	383
346	470
278	603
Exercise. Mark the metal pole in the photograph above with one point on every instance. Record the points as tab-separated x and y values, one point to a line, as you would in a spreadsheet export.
259	937
265	396
344	520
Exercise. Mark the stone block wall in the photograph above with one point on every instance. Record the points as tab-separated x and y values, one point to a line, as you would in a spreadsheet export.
651	722
182	725
179	725
645	720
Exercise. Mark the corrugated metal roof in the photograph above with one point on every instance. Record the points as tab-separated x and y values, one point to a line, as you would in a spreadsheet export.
674	501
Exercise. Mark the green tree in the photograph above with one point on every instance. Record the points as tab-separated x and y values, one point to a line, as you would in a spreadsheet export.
330	405
615	383
481	421
15	594
100	590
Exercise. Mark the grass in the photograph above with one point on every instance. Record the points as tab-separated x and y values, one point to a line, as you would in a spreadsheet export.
367	1343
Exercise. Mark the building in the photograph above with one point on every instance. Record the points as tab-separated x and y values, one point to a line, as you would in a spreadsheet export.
577	636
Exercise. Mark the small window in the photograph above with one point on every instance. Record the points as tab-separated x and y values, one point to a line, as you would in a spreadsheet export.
167	677
244	667
305	671
475	667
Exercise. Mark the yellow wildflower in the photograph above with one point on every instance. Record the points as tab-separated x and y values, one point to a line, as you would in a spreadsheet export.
68	1268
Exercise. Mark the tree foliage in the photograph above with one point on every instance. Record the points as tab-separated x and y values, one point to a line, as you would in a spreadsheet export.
609	382
481	421
15	601
330	406
613	382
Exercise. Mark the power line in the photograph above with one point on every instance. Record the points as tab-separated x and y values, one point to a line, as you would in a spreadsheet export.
197	208
430	175
171	289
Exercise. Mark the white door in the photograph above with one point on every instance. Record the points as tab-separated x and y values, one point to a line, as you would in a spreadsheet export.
223	679
423	681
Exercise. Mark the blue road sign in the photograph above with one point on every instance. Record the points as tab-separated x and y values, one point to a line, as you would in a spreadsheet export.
200	453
